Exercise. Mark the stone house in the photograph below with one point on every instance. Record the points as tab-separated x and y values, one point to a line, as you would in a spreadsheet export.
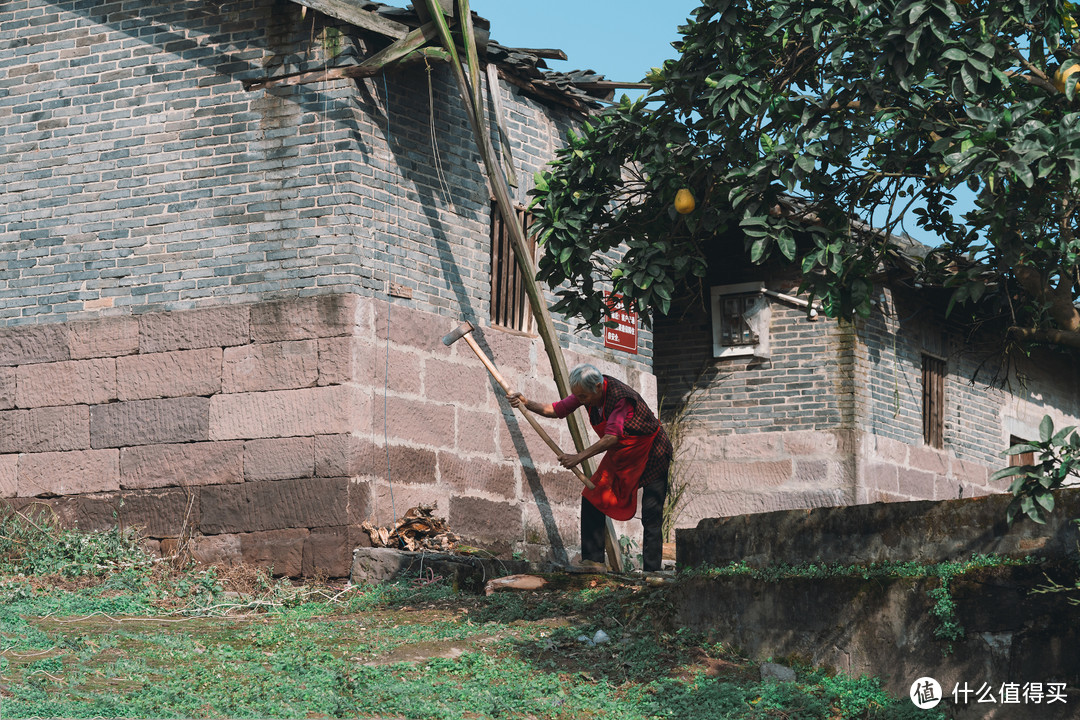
222	294
786	409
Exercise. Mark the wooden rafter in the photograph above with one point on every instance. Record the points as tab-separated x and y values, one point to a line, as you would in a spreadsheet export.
350	13
550	53
410	46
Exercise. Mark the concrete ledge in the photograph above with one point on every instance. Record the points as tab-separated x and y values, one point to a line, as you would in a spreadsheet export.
377	565
883	627
923	531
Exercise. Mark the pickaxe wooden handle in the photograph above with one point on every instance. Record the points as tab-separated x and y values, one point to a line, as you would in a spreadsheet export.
465	331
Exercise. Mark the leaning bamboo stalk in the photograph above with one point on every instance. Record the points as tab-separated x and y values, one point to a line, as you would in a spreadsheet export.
500	188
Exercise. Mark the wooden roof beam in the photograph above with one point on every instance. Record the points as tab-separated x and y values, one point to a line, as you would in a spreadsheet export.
413	42
349	12
549	53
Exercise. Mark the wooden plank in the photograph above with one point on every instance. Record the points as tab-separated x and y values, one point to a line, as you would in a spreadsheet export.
408	49
550	53
504	136
607	84
544	94
352	14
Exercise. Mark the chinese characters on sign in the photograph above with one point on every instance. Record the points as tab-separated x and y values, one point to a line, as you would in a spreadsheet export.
1032	693
926	693
624	335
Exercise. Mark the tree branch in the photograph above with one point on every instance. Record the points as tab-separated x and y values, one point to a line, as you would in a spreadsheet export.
1051	337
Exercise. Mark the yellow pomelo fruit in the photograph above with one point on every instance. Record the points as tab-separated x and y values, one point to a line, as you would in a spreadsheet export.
684	202
1062	75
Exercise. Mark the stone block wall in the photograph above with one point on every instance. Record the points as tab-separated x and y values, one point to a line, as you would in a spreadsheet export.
893	463
834	415
268	432
760	433
196	328
140	176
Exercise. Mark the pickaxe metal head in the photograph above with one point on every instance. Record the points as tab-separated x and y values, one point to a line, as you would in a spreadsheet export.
459	332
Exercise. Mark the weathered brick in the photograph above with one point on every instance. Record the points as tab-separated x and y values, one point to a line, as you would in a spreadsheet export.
929	459
258	506
811	472
193	329
552	486
9	475
518	441
164	513
747	447
414	328
187	464
347	456
33	344
85	512
328	551
46	429
108	337
479	520
8	389
467	474
803	443
391	500
416	421
476	431
281	551
917	483
271	366
280	459
219	550
306	318
145	422
747	475
351	360
458	384
511	353
69	473
289	413
407	464
72	382
169	374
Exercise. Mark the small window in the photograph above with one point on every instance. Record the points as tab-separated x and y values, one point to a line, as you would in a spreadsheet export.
1027	458
740	319
933	401
509	302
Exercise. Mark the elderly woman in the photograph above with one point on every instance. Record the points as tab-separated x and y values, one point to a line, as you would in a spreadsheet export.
638	453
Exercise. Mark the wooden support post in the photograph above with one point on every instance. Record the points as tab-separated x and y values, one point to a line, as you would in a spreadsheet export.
499	187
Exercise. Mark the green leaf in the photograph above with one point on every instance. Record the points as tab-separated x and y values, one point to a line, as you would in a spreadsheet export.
1007	472
1046	499
1046	429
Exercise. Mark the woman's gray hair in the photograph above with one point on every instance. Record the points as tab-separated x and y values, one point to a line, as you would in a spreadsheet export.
585	377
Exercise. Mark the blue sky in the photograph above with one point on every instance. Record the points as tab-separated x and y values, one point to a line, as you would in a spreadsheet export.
620	39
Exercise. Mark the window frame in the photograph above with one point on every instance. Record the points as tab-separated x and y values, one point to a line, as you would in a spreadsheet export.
934	371
509	303
717	295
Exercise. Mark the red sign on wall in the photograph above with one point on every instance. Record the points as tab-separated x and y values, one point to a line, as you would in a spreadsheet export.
624	335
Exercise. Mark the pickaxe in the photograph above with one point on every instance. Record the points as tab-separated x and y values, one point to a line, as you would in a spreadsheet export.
465	331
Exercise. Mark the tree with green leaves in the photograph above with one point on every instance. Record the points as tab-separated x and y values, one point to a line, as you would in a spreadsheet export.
817	131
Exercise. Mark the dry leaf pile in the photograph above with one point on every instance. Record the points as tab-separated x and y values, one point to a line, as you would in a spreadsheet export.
418	529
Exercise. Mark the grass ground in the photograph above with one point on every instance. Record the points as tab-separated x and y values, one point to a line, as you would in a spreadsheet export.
90	627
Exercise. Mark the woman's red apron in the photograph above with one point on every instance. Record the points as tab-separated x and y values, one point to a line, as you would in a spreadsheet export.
616	479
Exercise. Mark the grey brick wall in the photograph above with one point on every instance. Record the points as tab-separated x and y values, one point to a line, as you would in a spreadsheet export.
140	176
798	388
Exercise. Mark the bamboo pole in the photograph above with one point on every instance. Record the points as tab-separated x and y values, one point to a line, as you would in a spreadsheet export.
545	325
